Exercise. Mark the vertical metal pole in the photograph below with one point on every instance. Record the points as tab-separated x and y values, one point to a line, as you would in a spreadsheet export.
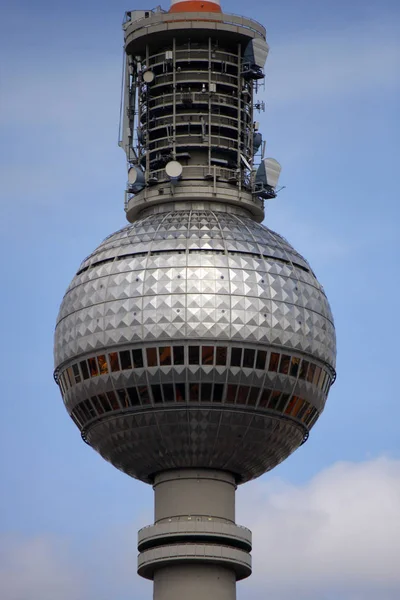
174	99
239	119
209	103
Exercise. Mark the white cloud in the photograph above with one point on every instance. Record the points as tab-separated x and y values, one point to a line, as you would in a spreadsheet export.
336	536
38	568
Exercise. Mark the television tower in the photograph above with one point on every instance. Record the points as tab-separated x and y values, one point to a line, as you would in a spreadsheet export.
194	348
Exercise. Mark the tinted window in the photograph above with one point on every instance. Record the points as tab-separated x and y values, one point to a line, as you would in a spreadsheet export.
156	389
104	402
236	357
125	358
261	359
218	391
303	369
97	405
194	355
137	359
248	358
302	411
273	402
144	394
207	355
151	357
220	356
291	405
102	364
179	355
243	392
90	409
133	396
114	361
264	397
123	398
165	355
273	362
231	393
252	401
299	405
310	373
77	375
194	392
294	366
316	375
168	390
284	366
84	369
93	367
112	397
206	389
180	392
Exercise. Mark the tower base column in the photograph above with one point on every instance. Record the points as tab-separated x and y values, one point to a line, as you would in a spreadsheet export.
194	550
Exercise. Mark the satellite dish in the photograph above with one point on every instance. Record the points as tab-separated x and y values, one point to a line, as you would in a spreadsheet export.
148	76
174	170
136	179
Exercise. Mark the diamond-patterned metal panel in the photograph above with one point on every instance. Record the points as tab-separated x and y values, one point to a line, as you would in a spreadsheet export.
192	275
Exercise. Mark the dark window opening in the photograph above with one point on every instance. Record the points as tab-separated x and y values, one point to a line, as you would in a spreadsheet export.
133	396
248	358
284	365
84	369
273	362
77	375
90	409
194	392
144	394
261	359
273	403
179	355
114	361
291	405
218	391
264	398
97	405
207	355
165	355
231	394
156	390
282	402
180	392
310	374
302	410
252	401
137	359
206	390
113	400
126	361
151	357
103	367
104	402
303	369
236	357
194	355
243	392
220	356
294	366
123	398
93	367
168	390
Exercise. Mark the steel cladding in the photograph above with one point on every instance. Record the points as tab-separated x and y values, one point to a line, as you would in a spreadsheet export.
187	278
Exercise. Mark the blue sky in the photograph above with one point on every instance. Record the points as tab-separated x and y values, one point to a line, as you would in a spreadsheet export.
68	520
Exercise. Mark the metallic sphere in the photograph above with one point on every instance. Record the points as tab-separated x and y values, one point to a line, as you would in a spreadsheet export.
195	338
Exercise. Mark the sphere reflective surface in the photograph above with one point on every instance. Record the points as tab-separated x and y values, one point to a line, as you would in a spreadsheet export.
195	338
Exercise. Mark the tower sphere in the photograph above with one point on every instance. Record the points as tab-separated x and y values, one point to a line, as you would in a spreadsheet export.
195	338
